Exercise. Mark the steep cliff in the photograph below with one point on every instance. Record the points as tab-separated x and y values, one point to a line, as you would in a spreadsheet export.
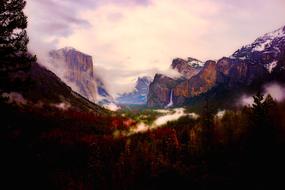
160	90
76	69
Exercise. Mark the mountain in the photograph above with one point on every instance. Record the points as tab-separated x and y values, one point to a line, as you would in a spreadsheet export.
266	50
160	91
76	69
188	68
36	86
247	68
139	95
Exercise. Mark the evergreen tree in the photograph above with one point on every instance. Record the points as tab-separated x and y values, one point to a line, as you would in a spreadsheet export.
261	108
207	119
13	34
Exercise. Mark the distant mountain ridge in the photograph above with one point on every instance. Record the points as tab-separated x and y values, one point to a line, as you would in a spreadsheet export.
250	66
139	95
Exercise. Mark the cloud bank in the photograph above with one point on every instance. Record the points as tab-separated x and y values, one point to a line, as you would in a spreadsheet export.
276	90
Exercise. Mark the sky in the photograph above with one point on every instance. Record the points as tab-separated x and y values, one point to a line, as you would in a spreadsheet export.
131	38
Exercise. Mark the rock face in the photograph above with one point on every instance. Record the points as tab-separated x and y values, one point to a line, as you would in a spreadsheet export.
236	72
252	64
160	91
76	69
139	95
196	85
188	68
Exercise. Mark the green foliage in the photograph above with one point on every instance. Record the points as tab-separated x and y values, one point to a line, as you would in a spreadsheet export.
13	34
146	116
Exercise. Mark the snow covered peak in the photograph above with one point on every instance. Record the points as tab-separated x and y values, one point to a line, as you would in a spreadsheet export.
195	62
266	41
266	50
279	33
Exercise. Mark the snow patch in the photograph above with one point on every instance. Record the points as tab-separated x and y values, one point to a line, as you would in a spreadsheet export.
271	66
262	46
196	63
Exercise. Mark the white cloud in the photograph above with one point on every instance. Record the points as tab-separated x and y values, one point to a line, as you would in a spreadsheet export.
276	90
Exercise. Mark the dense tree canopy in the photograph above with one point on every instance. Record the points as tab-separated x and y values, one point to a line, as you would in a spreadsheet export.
13	34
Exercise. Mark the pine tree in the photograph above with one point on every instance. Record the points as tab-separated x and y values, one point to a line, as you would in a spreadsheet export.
261	108
13	34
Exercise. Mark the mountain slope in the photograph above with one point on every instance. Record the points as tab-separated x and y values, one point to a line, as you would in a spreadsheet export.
37	86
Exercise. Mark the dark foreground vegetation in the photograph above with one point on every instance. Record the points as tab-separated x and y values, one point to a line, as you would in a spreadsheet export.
45	148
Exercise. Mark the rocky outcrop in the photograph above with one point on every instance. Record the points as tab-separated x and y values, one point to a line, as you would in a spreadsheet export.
139	95
236	72
197	85
159	91
76	69
188	68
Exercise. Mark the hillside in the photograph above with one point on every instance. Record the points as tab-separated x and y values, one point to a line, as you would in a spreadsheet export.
37	86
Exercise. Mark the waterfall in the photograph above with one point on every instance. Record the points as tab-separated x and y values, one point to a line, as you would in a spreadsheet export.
170	100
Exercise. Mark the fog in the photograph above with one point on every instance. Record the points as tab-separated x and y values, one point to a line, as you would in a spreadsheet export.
277	91
169	115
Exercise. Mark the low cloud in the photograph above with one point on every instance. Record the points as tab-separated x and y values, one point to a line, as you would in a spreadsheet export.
277	91
220	114
14	97
169	115
62	106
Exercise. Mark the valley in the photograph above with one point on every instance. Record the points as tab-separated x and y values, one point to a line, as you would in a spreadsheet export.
130	117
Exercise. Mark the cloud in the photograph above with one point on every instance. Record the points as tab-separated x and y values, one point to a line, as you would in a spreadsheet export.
14	97
277	91
220	114
128	36
168	116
